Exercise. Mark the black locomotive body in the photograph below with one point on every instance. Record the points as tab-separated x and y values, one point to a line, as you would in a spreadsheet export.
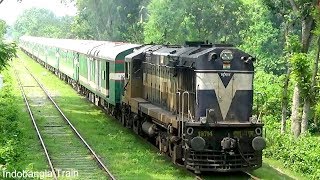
195	101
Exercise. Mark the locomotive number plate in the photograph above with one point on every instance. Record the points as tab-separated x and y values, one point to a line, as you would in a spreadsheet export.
243	134
205	133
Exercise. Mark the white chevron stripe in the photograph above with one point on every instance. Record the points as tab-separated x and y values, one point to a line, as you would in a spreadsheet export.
225	95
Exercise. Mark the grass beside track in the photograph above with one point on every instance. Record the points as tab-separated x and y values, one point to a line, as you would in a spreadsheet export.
124	153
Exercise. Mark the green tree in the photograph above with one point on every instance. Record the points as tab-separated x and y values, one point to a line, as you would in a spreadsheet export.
3	28
173	21
298	21
109	20
7	50
303	10
167	23
263	38
42	22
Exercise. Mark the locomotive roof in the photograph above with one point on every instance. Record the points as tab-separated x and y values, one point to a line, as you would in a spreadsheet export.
138	51
195	57
192	52
99	49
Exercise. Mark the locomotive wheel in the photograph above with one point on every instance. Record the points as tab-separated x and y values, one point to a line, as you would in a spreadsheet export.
175	153
129	119
123	116
136	125
163	143
112	111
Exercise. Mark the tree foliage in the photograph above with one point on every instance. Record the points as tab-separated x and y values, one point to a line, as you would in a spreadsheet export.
42	22
301	72
7	50
173	21
109	20
3	28
264	38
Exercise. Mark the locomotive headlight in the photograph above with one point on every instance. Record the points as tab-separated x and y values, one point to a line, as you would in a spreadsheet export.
198	143
258	143
226	55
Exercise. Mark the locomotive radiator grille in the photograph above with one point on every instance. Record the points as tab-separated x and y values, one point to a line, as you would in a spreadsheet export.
210	160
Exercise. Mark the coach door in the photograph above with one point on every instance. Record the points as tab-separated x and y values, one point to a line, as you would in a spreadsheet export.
76	66
98	74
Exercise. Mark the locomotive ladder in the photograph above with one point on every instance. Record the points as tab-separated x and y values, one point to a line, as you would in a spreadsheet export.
181	109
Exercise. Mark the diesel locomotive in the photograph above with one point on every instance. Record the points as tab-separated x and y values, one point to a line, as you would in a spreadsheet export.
193	101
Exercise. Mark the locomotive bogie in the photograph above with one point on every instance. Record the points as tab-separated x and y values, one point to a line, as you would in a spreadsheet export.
223	148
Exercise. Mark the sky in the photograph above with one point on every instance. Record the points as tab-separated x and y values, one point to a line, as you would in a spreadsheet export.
10	9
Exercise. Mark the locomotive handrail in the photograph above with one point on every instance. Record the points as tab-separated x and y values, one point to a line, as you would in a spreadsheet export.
182	117
182	109
189	110
197	102
178	111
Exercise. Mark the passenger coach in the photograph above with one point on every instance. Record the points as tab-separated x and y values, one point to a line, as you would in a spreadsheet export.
94	68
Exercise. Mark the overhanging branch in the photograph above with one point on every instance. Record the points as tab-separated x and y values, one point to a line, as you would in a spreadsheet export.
294	6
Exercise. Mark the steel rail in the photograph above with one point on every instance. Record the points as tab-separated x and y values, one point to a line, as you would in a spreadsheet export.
36	126
99	161
251	176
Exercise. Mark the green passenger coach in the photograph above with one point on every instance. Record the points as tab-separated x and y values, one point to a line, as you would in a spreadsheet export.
94	68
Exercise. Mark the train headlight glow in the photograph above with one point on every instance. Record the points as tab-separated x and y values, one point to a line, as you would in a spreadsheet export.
226	55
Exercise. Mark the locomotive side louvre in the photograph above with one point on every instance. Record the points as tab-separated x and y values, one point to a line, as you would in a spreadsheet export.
168	79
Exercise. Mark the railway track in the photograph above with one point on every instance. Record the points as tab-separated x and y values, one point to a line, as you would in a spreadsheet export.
251	176
66	151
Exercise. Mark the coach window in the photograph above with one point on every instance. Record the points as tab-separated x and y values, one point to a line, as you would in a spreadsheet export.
136	68
89	68
92	70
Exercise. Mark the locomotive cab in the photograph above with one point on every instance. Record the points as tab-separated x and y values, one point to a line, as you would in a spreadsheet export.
223	136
